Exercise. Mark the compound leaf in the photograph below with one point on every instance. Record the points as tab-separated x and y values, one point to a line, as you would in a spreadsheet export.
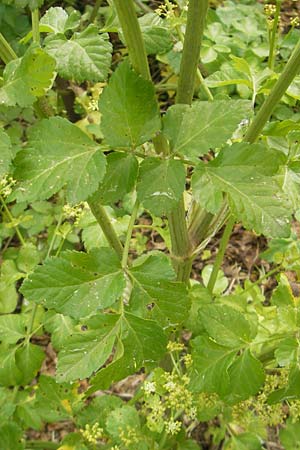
58	154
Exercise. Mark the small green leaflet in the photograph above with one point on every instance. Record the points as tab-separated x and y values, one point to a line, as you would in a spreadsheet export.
77	284
154	286
29	359
243	171
161	184
209	371
130	114
85	57
142	343
83	353
57	20
246	377
120	177
11	436
5	153
12	328
225	325
58	154
193	130
27	78
156	35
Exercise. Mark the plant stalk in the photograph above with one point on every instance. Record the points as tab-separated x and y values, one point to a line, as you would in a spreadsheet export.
219	258
133	37
35	22
105	223
7	53
11	218
129	234
285	79
273	40
191	50
95	10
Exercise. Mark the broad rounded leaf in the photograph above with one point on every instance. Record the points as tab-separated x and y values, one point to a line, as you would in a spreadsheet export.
85	57
27	78
58	154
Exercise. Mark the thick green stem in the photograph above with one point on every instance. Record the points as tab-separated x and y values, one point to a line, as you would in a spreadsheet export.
220	254
273	37
35	23
95	10
129	234
181	248
106	225
285	79
191	50
133	37
7	54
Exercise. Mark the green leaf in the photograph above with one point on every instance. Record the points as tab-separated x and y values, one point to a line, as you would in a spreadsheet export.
29	359
193	130
121	419
225	325
77	284
60	327
156	35
90	414
28	257
243	172
246	377
10	375
120	177
143	343
209	371
5	152
85	57
8	297
290	436
130	114
245	441
287	351
12	328
83	353
153	286
54	400
11	437
58	154
55	18
161	184
27	78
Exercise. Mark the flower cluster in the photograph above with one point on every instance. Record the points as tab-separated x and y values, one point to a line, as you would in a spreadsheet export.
128	436
92	434
167	398
6	185
74	212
